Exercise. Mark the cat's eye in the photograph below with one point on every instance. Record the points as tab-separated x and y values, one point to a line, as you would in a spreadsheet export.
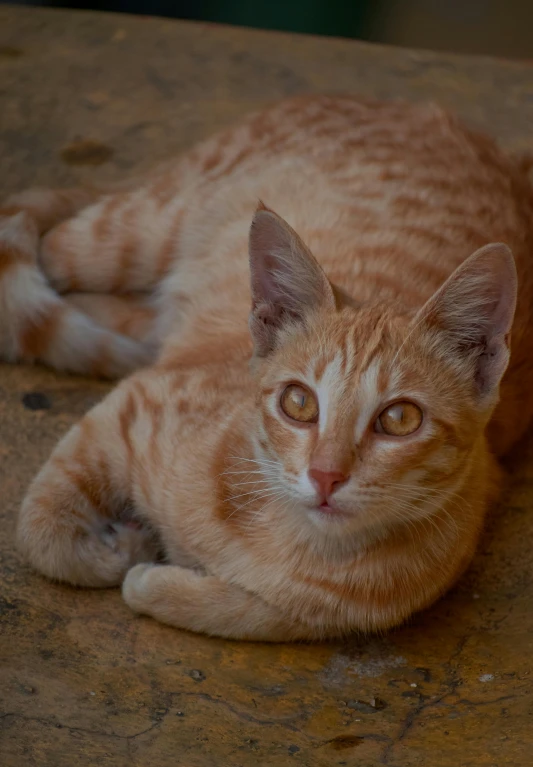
399	419
299	403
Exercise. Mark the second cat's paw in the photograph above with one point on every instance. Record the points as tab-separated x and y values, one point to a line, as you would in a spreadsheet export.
135	587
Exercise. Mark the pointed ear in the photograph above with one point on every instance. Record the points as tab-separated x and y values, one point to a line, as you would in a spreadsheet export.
286	280
474	309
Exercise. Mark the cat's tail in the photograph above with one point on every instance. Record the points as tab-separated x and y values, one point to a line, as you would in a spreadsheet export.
36	324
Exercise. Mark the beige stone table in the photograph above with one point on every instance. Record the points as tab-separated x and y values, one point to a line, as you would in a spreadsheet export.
83	682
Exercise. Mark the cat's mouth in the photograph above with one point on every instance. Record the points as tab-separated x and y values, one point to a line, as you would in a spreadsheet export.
330	511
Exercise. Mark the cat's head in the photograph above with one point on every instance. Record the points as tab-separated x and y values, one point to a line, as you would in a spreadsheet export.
369	416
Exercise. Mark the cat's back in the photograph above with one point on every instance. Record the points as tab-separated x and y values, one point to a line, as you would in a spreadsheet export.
390	197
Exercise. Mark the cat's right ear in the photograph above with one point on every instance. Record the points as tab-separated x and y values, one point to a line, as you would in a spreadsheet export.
287	281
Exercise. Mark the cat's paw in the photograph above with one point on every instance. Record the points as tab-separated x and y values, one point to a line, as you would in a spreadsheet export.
131	544
135	590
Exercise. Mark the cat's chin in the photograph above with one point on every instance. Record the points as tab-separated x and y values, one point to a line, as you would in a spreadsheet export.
342	532
325	515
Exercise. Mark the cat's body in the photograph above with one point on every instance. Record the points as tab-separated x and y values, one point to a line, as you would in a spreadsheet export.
390	199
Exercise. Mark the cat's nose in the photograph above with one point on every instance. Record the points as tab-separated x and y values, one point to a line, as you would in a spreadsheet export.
327	481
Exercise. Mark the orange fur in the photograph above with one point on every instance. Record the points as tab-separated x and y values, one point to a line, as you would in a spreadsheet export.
192	459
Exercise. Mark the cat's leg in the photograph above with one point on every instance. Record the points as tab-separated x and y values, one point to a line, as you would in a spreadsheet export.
132	315
104	241
37	325
203	603
124	242
77	523
127	239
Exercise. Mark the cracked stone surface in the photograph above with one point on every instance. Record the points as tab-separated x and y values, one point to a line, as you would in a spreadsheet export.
83	682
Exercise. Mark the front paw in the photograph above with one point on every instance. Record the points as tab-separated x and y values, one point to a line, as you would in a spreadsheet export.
135	591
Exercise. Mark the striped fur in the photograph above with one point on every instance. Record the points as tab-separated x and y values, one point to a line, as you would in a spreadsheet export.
191	458
37	324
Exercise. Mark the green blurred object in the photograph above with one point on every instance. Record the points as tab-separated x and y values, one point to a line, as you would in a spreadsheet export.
325	17
337	18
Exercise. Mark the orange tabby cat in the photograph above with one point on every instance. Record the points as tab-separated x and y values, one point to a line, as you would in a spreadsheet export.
339	481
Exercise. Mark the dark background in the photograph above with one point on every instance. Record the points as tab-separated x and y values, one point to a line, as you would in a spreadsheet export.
497	27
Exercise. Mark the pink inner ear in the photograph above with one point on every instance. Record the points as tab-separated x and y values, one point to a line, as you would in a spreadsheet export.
286	280
475	309
269	278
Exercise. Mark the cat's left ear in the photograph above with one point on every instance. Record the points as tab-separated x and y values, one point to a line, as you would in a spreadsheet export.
287	281
474	309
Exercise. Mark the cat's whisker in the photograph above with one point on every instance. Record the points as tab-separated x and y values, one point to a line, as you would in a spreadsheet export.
255	493
411	512
260	462
255	482
243	495
259	513
274	493
428	494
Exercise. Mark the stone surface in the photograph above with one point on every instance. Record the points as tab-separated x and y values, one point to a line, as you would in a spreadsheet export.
83	682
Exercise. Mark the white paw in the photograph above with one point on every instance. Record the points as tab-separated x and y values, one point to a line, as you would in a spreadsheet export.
135	587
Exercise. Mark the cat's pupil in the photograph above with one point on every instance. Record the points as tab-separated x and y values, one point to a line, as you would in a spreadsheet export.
401	419
299	404
299	398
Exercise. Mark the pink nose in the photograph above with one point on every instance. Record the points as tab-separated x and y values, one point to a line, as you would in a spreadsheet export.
327	481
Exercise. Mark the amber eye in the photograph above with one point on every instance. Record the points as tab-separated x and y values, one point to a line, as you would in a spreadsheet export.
400	419
299	404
